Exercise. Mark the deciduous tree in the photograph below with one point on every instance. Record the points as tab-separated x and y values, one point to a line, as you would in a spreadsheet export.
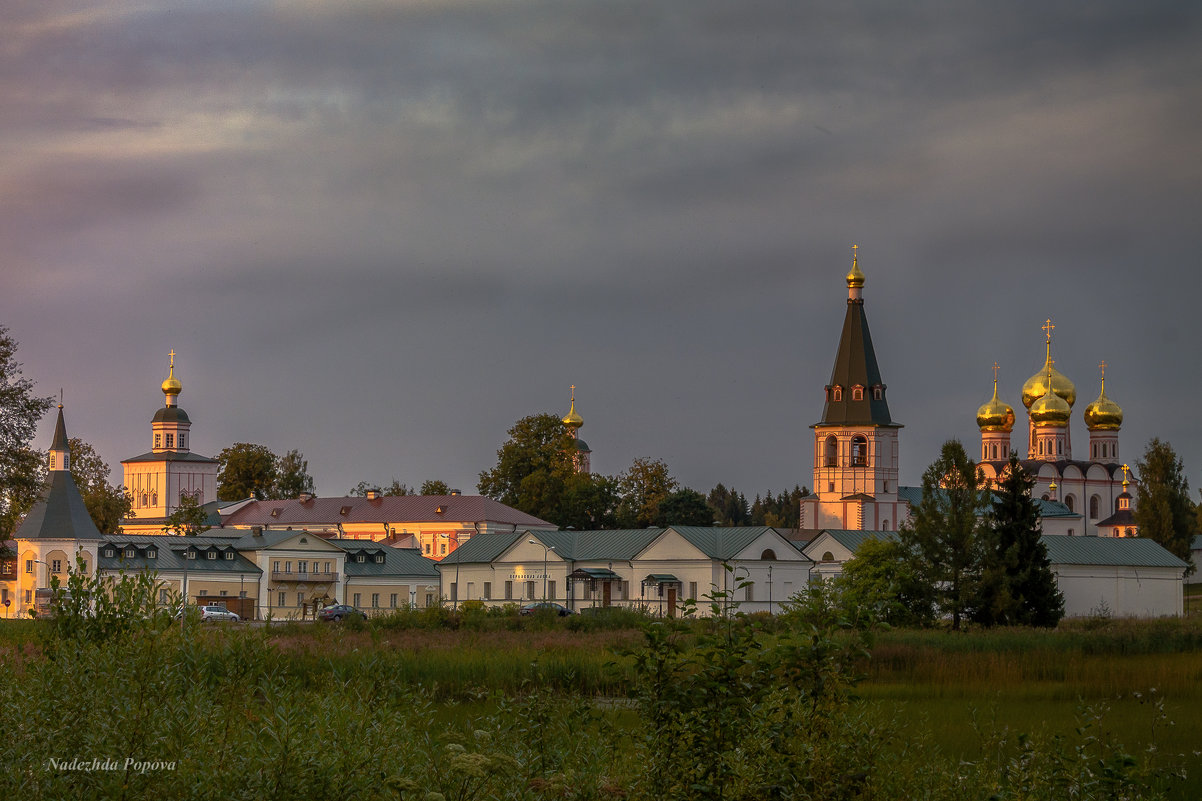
644	485
20	411
107	505
292	477
245	470
434	487
533	467
1163	510
684	507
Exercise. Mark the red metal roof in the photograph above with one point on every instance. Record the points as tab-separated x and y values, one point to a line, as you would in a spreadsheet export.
384	509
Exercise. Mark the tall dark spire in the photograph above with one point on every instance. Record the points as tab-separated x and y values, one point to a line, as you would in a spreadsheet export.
61	513
855	395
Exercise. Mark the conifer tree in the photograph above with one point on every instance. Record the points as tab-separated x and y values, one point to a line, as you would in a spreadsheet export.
941	537
1017	586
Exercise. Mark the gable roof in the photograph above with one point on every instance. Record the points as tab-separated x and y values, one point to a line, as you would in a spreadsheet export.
852	539
855	364
382	509
610	544
60	514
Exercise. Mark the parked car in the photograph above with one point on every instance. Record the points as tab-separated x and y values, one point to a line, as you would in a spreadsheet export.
545	606
218	613
339	611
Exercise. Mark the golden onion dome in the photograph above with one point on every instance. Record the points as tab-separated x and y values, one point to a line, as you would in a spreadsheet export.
1037	386
855	278
172	386
573	420
1051	409
996	415
1103	414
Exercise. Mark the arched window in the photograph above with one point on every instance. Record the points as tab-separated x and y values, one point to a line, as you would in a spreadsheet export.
1117	505
768	555
995	452
859	451
877	393
828	557
1045	496
857	393
1041	447
1095	503
1070	502
837	393
885	524
832	451
1130	532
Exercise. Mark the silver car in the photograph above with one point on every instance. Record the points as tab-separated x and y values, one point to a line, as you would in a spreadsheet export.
218	613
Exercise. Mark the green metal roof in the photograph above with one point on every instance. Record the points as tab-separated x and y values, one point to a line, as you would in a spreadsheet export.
721	543
852	539
661	578
60	514
913	496
1117	551
169	556
397	561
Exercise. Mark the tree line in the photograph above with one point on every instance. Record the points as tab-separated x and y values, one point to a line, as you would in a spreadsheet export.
535	472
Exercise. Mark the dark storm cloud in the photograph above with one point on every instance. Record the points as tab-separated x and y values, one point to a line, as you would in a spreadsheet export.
442	213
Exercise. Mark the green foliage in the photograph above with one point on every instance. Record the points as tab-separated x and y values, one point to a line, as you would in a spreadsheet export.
292	477
395	489
1163	510
1016	585
245	470
941	538
728	506
728	713
434	487
97	609
107	505
880	585
20	411
643	487
189	519
684	507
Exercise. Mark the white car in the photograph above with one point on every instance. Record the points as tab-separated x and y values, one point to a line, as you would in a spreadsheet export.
218	613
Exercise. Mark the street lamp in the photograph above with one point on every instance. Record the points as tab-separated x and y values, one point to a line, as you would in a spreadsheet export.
546	551
455	599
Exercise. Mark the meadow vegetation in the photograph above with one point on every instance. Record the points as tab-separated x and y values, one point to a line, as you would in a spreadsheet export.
438	705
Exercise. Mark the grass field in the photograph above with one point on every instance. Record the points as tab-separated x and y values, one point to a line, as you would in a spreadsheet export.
944	698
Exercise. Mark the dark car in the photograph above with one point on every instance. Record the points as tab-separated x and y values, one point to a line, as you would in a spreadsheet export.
339	611
543	607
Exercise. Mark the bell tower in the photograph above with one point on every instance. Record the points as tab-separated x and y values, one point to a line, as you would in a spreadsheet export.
855	453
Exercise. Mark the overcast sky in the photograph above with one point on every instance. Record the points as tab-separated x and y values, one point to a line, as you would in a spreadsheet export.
382	232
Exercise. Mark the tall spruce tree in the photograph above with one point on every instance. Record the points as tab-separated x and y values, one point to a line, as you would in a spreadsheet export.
1163	509
941	536
1017	586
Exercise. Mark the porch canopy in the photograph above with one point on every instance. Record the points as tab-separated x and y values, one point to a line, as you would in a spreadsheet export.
661	578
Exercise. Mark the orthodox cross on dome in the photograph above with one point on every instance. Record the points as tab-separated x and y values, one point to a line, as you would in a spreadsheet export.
995	369
1048	328
172	355
573	388
1125	471
853	250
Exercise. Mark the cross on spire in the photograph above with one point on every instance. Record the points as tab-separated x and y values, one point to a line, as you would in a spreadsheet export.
573	388
1048	328
172	355
995	369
